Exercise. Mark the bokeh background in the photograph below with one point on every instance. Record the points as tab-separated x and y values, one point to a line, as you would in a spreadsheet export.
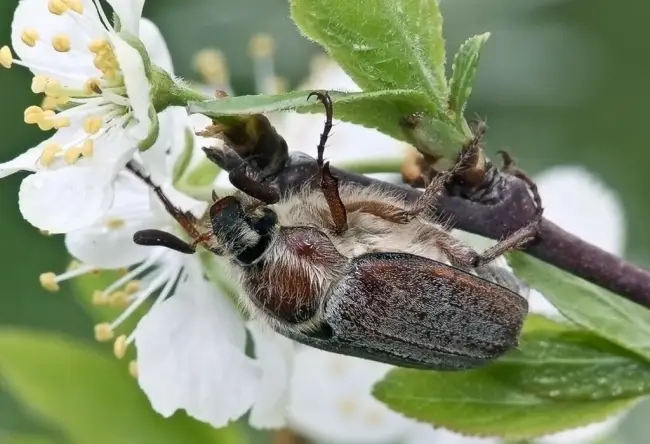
560	82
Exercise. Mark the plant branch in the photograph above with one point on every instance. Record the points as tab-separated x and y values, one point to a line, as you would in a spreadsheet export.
502	205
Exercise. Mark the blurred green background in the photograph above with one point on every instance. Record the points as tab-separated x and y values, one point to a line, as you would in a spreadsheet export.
560	81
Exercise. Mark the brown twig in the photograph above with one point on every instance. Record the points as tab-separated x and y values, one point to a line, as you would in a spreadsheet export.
493	210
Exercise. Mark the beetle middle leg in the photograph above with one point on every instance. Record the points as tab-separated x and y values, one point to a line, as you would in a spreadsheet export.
242	175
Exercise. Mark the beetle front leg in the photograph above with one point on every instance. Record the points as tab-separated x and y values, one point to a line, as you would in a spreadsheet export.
242	175
328	183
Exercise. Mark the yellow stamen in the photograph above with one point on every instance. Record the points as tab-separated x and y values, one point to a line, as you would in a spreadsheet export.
98	45
132	287
261	45
39	83
71	155
119	299
99	298
62	100
91	86
53	88
115	223
45	124
49	153
119	347
48	282
57	7
133	369
49	103
75	5
33	114
87	148
29	37
61	122
104	332
122	271
92	125
6	58
210	63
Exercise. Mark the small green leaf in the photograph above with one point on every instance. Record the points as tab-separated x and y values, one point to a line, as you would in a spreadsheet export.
184	159
592	308
573	365
381	44
462	79
559	378
89	396
382	110
437	137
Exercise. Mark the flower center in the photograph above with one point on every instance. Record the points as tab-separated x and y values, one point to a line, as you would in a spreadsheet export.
98	104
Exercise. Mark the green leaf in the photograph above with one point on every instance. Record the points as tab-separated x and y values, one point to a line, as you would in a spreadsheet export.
381	44
90	396
559	378
569	365
592	308
382	110
462	79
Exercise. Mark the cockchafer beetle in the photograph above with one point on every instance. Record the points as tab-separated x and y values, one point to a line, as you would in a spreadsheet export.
356	271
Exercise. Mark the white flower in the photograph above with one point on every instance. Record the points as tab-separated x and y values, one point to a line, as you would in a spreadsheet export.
98	77
191	341
331	402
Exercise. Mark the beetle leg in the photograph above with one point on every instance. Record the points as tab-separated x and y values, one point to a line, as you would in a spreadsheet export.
242	175
186	219
328	183
399	215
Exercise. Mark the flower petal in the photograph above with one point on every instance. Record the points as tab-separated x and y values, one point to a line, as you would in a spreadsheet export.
191	355
175	126
137	85
274	354
129	13
345	411
26	161
66	199
583	205
109	243
71	68
156	46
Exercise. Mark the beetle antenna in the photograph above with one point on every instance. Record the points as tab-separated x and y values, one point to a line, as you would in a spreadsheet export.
326	100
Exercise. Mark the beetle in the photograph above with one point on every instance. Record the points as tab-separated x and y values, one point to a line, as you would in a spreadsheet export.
354	270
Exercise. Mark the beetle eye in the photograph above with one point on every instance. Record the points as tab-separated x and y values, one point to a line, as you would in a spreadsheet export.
263	225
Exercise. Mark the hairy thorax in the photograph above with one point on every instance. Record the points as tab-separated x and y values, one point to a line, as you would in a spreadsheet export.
289	285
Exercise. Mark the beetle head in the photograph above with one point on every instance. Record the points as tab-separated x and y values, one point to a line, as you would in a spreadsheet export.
245	233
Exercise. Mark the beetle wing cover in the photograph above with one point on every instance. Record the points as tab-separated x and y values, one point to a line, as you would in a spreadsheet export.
413	311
